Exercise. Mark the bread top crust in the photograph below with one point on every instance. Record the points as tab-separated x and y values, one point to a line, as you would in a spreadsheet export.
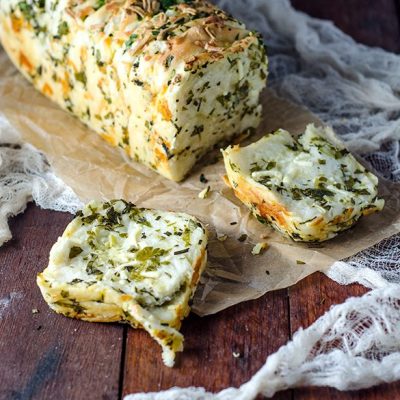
164	83
184	31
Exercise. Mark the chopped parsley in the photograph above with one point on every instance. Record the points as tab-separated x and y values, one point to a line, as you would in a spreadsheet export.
99	4
176	253
131	40
63	29
81	77
26	10
75	251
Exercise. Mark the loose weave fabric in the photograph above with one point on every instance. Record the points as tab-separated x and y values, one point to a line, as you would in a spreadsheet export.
355	89
353	346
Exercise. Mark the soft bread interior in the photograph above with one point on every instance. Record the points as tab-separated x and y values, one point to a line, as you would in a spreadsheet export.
116	262
309	188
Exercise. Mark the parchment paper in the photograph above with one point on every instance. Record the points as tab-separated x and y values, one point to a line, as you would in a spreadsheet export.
94	170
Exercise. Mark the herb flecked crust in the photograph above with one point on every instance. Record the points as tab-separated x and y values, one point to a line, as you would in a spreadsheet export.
164	80
309	189
118	262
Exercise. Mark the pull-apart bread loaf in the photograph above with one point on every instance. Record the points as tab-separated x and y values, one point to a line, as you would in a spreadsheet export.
309	189
164	79
117	262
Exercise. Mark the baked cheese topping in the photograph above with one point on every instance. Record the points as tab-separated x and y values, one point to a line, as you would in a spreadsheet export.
143	262
310	188
164	80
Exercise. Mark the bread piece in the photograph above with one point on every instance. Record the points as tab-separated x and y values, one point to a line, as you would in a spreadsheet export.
165	80
116	262
309	189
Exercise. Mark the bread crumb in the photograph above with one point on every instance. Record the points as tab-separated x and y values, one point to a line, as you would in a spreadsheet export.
35	311
259	248
236	355
204	193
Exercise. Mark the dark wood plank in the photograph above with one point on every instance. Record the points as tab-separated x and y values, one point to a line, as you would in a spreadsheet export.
374	23
45	355
310	299
254	330
313	296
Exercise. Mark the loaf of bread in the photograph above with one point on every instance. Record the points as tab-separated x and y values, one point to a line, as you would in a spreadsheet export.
117	262
164	79
309	189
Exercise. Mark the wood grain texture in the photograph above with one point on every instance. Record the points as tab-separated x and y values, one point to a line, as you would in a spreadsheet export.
253	330
44	355
374	23
310	299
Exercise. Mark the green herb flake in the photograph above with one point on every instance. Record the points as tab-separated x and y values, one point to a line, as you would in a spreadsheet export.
131	40
270	165
26	10
242	238
138	82
149	253
99	4
234	167
292	147
81	77
63	29
75	251
176	253
363	192
75	281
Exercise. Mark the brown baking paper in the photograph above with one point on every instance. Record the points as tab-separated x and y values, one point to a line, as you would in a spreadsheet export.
94	170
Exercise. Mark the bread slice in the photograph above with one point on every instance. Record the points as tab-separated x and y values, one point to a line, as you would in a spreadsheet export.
309	189
117	262
164	80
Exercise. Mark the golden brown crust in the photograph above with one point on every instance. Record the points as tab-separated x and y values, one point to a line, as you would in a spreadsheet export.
198	268
266	208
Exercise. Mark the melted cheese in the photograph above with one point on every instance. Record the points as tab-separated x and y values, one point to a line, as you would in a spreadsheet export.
164	83
118	262
309	189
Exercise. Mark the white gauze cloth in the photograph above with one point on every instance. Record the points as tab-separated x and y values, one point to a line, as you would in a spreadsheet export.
356	90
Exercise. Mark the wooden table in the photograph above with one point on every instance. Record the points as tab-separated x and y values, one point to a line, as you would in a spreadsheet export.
46	356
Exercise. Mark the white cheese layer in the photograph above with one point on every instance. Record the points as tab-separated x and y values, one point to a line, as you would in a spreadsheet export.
166	83
308	188
118	262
